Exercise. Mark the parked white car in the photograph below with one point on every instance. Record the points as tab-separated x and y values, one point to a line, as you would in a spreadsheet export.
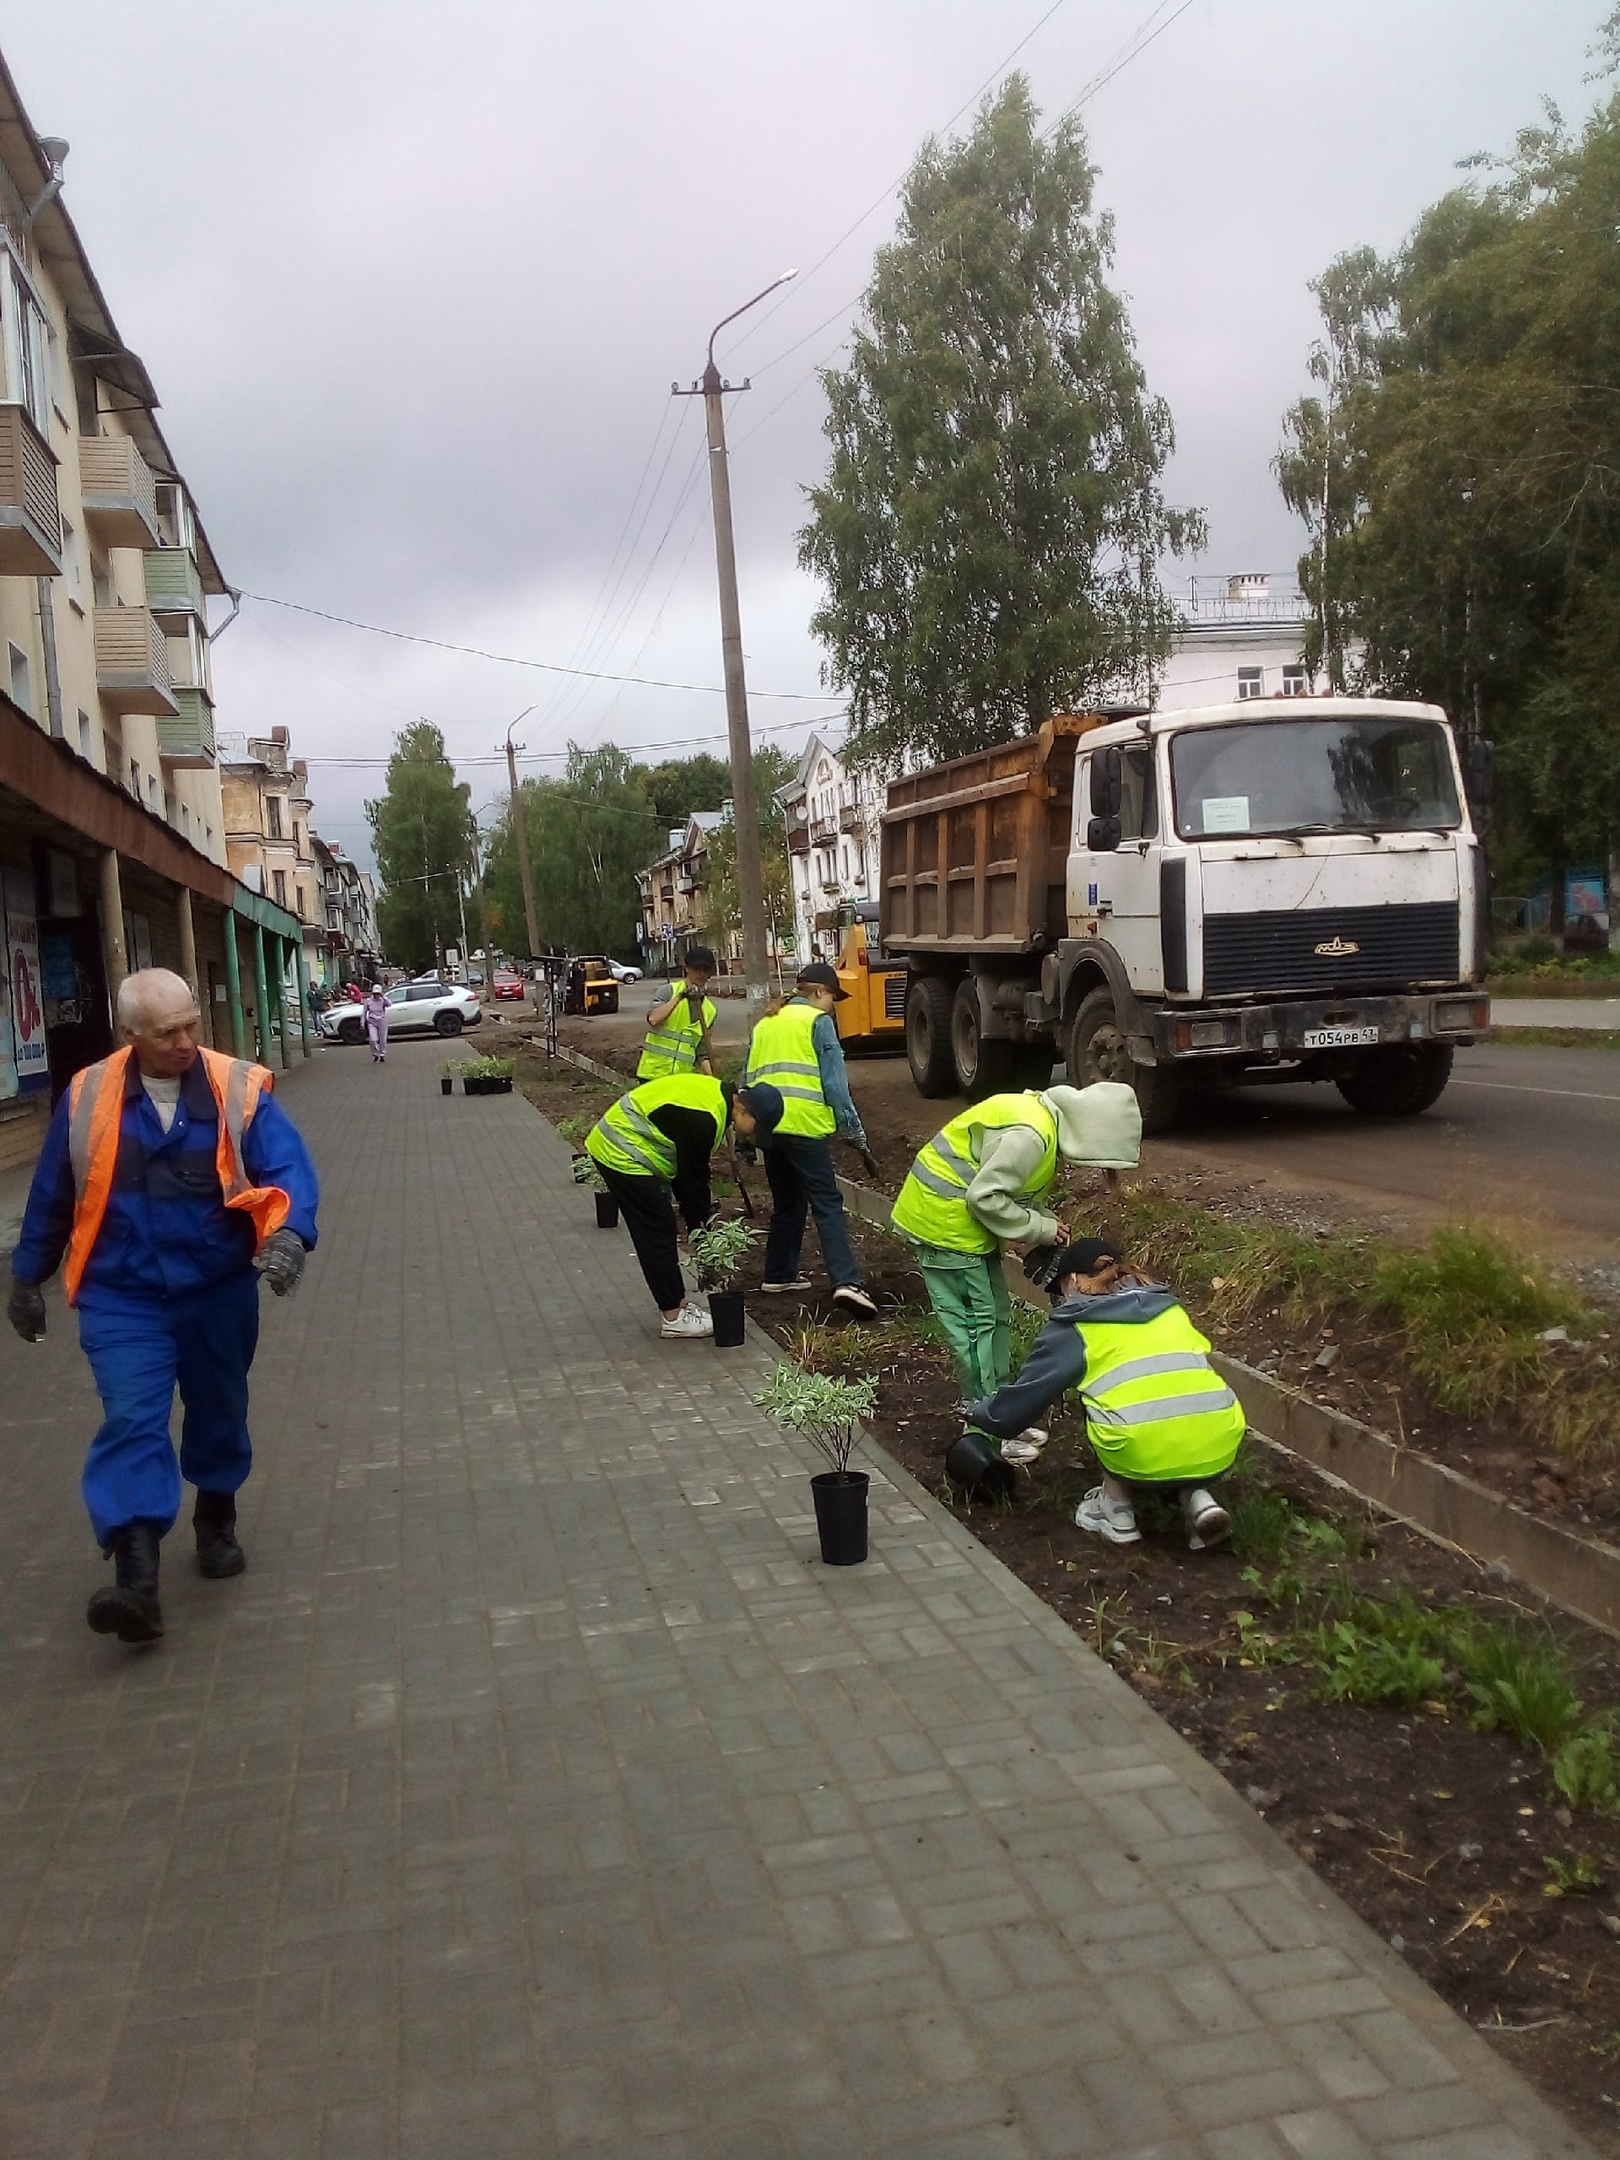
622	973
414	1008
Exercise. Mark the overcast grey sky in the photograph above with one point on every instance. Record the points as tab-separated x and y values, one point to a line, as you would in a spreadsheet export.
413	278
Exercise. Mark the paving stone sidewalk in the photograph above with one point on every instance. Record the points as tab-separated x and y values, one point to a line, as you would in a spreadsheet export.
538	1792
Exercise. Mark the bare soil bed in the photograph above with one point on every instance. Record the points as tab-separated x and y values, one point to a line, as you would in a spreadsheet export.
1453	1843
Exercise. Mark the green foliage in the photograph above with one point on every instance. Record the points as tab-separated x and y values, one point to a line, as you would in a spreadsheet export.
989	530
489	1068
420	834
828	1412
1580	1877
1371	1668
679	786
1518	1681
719	1248
1263	1525
1456	469
722	910
588	834
587	1171
1473	1313
1586	1771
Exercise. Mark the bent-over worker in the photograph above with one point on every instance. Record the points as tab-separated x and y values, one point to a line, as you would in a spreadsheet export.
798	1051
658	1140
1158	1415
171	1180
679	1022
975	1187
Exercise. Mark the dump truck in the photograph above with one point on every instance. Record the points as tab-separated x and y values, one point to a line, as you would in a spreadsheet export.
1274	890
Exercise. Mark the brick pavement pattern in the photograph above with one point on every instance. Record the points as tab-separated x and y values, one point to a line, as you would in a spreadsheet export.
538	1792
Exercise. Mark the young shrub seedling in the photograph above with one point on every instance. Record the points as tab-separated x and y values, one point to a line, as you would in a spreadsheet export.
719	1249
828	1412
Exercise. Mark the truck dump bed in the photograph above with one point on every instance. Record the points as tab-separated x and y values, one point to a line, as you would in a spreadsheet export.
975	853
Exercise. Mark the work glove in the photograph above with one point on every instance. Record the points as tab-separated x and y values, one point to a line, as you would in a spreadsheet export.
25	1309
280	1260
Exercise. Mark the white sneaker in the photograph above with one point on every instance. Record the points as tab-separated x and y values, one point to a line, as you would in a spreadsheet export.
688	1324
1207	1521
780	1289
1019	1451
1108	1518
852	1295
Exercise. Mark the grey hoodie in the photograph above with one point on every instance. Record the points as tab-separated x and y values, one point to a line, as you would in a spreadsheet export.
1099	1126
1058	1360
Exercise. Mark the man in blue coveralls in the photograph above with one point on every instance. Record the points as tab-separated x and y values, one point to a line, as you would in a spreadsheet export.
170	1181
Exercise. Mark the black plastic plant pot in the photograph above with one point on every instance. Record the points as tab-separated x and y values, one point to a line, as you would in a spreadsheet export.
975	1463
447	1083
841	1516
726	1309
471	1084
607	1211
501	1084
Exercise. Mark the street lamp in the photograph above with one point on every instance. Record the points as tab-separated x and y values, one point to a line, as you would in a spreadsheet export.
532	920
745	808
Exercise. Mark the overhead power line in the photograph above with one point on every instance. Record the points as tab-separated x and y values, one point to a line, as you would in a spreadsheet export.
545	667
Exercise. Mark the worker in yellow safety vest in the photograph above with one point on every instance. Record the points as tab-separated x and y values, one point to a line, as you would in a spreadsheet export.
652	1148
1158	1415
797	1050
980	1184
678	1024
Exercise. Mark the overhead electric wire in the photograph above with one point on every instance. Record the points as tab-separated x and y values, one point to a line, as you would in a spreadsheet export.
533	757
545	667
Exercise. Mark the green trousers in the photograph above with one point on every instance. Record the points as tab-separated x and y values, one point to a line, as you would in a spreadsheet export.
969	1295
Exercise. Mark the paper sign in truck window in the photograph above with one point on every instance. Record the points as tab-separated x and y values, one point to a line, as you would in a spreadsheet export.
1226	813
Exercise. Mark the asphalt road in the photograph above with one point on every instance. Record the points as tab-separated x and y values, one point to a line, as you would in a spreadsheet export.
1527	1138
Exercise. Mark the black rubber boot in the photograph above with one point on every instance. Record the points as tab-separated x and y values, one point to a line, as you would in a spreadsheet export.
214	1521
129	1608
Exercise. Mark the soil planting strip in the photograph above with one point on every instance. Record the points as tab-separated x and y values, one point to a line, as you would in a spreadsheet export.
1576	1574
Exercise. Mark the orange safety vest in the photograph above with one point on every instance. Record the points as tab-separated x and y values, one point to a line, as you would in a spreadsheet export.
95	1115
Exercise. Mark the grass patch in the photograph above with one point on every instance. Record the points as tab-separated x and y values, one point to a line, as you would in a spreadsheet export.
1469	1309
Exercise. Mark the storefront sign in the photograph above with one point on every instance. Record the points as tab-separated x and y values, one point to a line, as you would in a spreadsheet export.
28	1050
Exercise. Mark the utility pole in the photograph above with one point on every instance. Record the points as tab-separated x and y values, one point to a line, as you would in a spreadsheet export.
522	839
745	808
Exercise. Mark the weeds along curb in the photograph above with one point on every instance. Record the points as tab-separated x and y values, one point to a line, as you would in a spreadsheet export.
1577	1574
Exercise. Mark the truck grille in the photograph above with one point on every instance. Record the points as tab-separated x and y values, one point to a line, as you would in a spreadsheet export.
1282	949
894	995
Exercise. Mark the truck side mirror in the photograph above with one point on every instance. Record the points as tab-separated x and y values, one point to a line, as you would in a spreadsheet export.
1481	772
1107	785
1102	835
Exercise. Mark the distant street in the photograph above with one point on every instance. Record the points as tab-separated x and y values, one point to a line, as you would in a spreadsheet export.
1529	1137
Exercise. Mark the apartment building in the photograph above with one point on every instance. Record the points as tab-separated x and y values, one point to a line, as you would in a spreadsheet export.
673	889
269	843
112	829
348	947
1236	637
833	821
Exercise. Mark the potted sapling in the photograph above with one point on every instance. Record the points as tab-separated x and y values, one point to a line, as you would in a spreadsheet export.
830	1414
718	1250
447	1076
488	1076
588	1172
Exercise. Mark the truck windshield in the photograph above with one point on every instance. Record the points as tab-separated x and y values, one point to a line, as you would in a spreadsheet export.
1358	774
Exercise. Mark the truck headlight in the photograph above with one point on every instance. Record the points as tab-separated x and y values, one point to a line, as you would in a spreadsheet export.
1461	1016
1209	1034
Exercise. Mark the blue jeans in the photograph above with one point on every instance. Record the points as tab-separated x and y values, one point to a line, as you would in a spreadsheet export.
140	1350
799	1171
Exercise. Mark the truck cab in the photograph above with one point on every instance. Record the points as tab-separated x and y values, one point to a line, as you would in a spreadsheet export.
1277	889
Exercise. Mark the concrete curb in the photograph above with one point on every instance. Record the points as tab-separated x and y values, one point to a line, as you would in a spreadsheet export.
1577	1574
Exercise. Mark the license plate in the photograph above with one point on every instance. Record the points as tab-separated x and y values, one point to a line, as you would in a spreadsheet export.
1345	1038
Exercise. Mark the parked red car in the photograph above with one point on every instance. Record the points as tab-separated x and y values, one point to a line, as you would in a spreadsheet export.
507	984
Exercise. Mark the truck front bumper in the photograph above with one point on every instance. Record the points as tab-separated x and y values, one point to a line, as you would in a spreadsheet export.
1301	1028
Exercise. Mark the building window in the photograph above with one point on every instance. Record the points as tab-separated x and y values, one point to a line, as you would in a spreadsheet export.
151	792
185	821
21	692
1251	682
135	779
278	884
72	575
272	816
302	902
84	735
24	331
112	758
1296	683
332	918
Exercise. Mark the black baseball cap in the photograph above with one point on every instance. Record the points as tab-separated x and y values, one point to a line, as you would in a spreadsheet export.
823	976
1085	1256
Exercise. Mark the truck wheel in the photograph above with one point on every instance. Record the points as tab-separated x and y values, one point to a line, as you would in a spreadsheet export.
1098	1051
928	1035
1400	1081
982	1068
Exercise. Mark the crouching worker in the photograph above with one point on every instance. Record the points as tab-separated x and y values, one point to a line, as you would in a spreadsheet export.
977	1186
658	1141
1158	1415
170	1182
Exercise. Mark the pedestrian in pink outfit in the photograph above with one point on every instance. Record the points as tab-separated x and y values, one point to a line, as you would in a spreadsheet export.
376	1012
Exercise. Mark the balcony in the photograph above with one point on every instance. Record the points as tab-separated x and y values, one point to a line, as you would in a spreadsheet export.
849	817
798	839
30	522
119	492
174	588
132	664
823	831
188	740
